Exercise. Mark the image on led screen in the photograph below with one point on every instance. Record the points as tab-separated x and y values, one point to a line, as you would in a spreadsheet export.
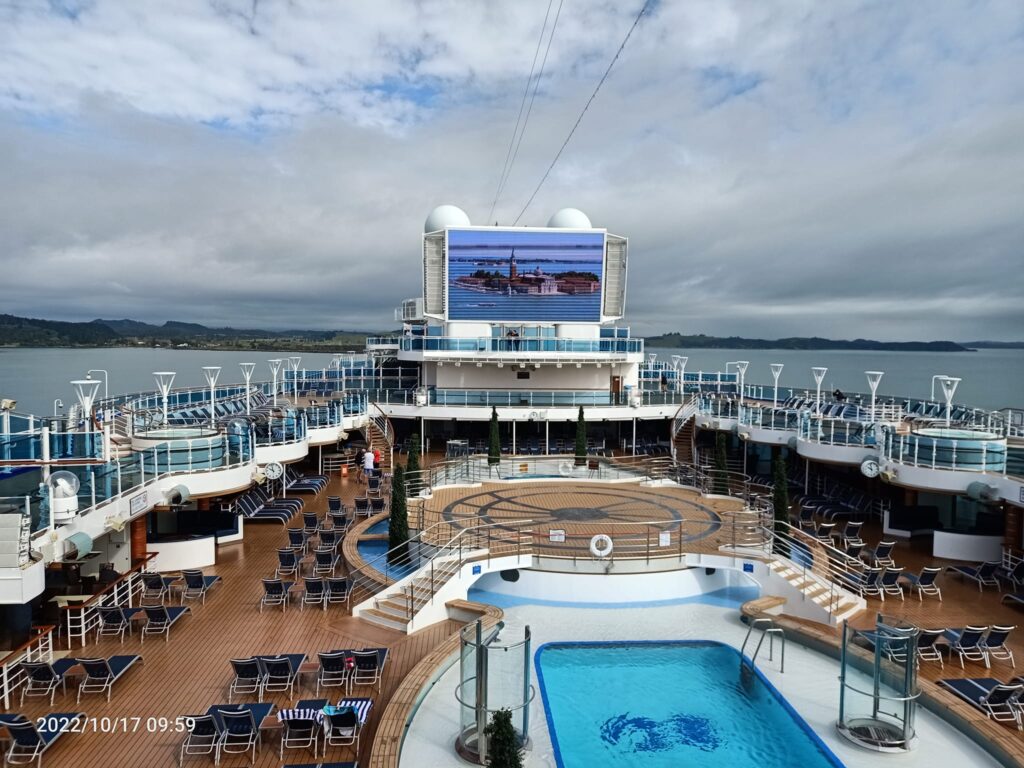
524	276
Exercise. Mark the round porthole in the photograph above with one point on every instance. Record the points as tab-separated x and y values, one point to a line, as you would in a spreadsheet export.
510	575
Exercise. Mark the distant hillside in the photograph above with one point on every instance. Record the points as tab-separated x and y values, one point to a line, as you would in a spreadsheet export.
30	332
700	341
994	344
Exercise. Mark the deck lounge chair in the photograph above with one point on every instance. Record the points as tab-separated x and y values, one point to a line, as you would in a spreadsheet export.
924	583
310	523
334	671
995	644
248	677
261	495
998	701
280	673
1013	597
301	725
865	584
287	563
159	620
297	539
101	674
326	561
29	741
335	506
314	594
881	555
343	724
240	727
889	582
967	643
1013	575
115	620
984	575
42	679
369	667
362	506
328	538
337	590
340	522
155	587
203	738
378	506
196	585
276	592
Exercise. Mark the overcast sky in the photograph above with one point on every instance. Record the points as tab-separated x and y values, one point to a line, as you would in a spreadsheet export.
781	168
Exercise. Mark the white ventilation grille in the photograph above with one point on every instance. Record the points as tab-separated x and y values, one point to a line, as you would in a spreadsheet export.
434	269
614	277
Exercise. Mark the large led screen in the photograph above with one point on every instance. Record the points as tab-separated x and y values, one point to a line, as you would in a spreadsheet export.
529	276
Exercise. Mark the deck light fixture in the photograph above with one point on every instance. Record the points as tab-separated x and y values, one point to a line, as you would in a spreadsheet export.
106	380
275	369
211	373
247	369
776	372
949	385
874	377
819	376
293	363
164	380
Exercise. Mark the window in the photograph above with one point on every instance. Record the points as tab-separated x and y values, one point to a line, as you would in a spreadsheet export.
522	374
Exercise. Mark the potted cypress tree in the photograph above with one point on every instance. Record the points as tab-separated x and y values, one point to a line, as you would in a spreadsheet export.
780	498
581	440
398	522
494	440
503	749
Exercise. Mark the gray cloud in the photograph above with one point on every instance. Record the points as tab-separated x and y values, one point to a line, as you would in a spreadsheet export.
847	169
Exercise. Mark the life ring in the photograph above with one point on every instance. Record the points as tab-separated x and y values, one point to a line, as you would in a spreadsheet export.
565	468
601	546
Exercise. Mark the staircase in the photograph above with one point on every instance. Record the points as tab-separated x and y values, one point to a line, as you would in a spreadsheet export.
380	436
419	599
682	443
120	447
838	603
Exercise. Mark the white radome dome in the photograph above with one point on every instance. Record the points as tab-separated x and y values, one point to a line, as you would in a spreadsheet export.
570	218
445	216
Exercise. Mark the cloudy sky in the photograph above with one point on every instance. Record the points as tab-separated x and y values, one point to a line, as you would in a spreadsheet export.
781	168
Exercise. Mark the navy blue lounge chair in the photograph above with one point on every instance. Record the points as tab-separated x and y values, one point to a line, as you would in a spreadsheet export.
30	738
337	590
42	679
155	587
248	677
924	583
115	620
280	673
276	592
334	670
240	726
369	667
159	620
968	643
314	594
196	585
203	738
101	674
984	575
1014	597
998	701
326	561
344	723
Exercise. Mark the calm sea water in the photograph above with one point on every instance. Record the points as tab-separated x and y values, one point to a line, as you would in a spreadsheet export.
991	378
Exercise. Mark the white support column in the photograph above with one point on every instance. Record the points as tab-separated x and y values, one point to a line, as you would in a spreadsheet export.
293	364
247	369
164	380
547	437
211	373
949	385
513	437
776	372
874	377
819	376
634	435
275	370
741	366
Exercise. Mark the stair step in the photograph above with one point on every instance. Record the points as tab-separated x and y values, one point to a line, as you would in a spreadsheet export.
384	619
392	607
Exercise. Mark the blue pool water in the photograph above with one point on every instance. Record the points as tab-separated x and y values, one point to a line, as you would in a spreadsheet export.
379	527
654	705
373	552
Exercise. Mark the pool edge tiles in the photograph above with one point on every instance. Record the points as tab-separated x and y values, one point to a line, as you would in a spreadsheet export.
828	757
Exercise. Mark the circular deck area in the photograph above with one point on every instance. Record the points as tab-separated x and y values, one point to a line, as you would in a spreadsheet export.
564	516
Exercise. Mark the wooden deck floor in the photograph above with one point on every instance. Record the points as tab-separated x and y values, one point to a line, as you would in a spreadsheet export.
191	672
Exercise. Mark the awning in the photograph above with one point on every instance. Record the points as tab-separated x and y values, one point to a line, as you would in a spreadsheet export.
80	542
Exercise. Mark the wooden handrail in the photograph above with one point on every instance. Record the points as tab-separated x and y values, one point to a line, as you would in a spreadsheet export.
110	587
42	629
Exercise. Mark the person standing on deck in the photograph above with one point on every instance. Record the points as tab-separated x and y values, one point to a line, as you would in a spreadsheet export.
368	464
360	459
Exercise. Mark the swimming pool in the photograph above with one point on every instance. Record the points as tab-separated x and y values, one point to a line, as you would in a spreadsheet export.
381	526
654	704
373	551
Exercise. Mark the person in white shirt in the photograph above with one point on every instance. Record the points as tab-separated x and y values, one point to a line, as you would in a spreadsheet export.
368	464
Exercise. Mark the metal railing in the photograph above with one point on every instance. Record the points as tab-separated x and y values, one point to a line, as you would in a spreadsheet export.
950	453
827	431
80	620
769	630
520	344
12	674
